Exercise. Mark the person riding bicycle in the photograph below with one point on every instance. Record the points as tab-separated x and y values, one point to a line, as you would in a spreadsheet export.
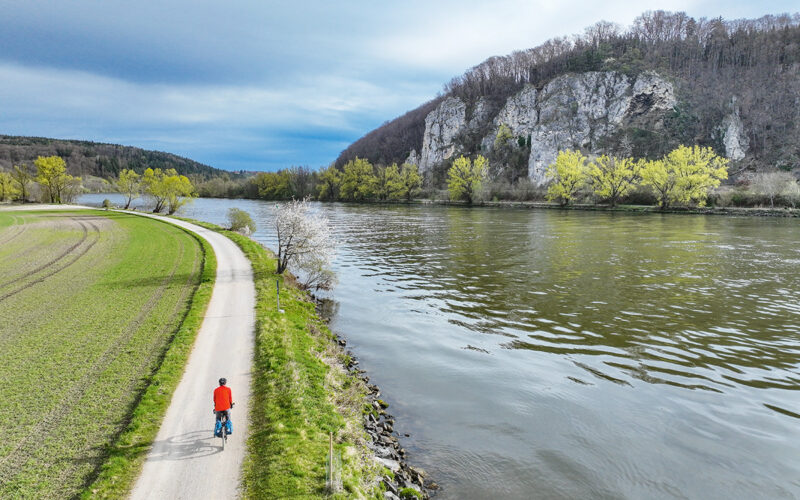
223	402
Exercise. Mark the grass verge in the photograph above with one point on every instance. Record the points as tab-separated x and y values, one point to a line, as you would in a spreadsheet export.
126	456
301	394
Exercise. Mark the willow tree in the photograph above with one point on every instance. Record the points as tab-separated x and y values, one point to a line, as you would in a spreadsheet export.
567	175
386	179
179	191
58	185
465	178
168	189
408	181
8	190
613	177
129	184
358	180
329	181
684	175
23	176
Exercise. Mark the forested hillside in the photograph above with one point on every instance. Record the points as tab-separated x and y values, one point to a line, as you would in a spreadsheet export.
743	74
93	158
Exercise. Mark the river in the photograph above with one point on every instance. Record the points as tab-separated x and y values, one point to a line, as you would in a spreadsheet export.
551	354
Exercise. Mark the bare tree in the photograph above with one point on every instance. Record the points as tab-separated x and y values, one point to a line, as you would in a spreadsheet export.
772	184
23	176
304	241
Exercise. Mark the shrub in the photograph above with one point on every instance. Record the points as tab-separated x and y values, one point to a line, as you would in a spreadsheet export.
240	221
410	494
106	203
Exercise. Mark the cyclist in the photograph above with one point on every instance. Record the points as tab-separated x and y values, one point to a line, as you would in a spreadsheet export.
223	402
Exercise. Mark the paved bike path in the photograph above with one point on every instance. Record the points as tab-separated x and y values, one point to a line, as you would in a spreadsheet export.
185	460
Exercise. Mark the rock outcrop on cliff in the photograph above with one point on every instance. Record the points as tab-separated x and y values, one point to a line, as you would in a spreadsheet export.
572	111
733	137
442	126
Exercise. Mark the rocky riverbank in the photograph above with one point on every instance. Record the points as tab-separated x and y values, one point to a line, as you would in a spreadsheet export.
403	480
735	211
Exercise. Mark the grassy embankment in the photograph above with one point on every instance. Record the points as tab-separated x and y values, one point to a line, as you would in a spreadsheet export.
92	304
301	392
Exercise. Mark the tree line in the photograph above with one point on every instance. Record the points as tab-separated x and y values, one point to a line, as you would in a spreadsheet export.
167	189
50	183
686	176
86	158
357	180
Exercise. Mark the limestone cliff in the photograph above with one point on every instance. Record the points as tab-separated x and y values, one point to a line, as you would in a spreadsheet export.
571	111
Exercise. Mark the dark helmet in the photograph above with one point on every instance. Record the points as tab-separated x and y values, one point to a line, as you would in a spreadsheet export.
223	381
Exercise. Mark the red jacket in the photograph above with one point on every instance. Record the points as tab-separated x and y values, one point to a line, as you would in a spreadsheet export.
223	399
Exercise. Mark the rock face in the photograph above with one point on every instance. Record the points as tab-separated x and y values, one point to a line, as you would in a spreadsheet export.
733	137
571	111
413	159
442	125
579	111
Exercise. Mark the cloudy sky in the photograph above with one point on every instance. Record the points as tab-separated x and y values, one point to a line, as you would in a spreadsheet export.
263	85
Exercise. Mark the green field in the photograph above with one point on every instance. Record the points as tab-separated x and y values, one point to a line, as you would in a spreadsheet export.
89	301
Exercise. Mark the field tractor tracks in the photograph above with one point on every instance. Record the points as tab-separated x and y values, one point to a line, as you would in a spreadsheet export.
37	435
73	251
16	230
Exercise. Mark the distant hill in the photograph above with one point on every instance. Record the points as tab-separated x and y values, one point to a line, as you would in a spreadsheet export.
86	158
668	79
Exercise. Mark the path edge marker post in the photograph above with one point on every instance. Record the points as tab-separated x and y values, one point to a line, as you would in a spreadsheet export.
278	288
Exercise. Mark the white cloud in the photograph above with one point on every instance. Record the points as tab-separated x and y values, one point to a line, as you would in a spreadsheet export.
49	93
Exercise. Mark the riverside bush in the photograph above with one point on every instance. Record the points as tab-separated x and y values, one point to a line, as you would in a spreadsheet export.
240	221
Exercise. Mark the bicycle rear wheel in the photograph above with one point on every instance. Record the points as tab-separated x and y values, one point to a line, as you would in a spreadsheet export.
224	433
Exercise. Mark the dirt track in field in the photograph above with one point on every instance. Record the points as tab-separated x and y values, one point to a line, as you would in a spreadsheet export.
73	251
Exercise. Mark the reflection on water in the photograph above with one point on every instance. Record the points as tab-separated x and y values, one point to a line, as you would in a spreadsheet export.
540	354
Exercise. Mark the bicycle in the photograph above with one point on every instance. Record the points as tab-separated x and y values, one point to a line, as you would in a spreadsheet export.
223	432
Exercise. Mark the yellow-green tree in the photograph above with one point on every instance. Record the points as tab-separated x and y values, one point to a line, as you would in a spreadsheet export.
274	185
358	180
8	191
57	184
465	178
408	181
502	137
22	176
167	188
179	191
329	181
154	186
684	175
568	174
613	177
129	184
386	182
